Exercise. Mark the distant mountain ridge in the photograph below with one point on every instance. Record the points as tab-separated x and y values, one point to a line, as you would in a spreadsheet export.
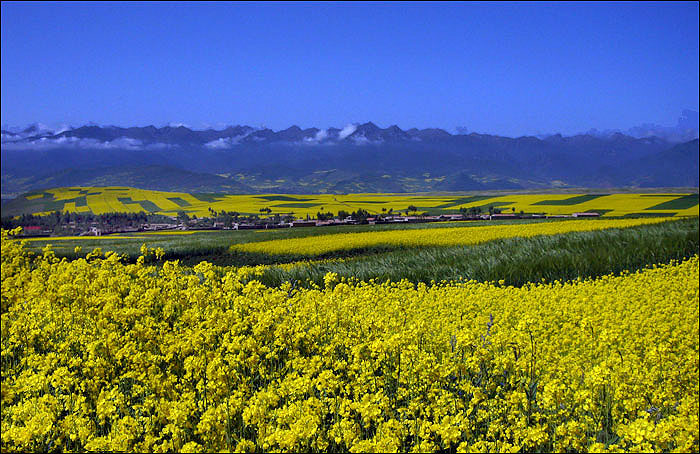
180	135
360	134
355	158
232	135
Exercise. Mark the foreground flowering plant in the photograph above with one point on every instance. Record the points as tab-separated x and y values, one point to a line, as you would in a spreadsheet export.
101	355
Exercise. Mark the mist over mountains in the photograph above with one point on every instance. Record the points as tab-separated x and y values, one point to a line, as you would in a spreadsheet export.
356	158
686	129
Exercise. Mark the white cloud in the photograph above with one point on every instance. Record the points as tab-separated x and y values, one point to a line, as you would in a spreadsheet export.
63	128
10	136
48	143
223	143
123	142
318	137
346	131
361	140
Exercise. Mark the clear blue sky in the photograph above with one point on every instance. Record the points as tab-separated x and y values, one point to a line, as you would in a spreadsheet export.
504	68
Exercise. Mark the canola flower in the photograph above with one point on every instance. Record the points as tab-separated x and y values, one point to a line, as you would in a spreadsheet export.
100	355
451	236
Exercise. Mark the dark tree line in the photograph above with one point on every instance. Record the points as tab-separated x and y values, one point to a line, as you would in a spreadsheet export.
57	221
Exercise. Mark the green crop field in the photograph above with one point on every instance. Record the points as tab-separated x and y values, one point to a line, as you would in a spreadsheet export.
100	200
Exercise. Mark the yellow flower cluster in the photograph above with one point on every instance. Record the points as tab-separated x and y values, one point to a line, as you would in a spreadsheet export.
99	355
450	236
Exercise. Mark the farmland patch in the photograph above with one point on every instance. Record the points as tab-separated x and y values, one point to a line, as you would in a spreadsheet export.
179	201
274	198
298	205
464	201
208	197
649	215
572	200
681	203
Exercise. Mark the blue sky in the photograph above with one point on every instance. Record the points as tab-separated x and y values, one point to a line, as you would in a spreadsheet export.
507	68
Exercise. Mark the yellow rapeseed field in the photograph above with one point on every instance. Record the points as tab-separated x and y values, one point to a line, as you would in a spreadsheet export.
104	356
99	200
451	236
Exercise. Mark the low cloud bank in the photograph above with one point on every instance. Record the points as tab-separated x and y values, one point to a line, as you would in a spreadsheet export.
223	143
50	143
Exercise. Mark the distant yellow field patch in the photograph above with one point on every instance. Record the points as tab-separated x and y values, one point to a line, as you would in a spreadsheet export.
131	200
606	204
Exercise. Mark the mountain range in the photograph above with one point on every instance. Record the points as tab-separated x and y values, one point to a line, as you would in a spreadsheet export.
36	136
356	158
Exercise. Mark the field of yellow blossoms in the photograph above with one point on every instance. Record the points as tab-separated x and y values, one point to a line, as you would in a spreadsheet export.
100	355
449	236
121	199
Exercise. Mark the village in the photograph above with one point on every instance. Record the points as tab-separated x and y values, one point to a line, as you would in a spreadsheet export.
73	224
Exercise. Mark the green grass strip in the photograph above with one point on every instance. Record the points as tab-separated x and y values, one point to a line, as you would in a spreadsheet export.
517	261
571	201
649	215
149	206
208	197
681	203
179	201
464	200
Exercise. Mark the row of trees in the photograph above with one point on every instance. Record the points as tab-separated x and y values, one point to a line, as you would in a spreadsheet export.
230	217
60	221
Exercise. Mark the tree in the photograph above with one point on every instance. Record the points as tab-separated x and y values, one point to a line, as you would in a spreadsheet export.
360	215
